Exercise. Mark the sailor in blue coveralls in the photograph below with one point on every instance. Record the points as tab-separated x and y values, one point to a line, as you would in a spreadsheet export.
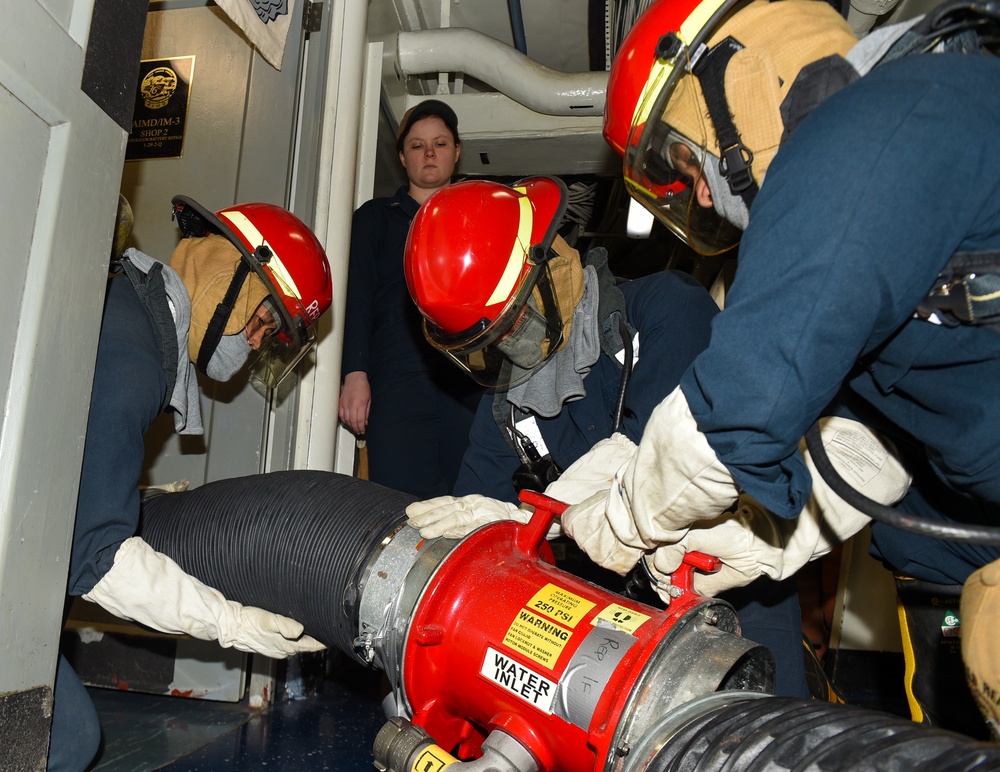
219	299
862	181
879	209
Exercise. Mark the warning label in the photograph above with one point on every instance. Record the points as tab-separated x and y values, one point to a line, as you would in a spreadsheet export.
519	680
433	759
860	456
536	637
621	617
561	605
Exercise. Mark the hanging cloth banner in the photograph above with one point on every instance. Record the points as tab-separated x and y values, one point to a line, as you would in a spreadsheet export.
264	22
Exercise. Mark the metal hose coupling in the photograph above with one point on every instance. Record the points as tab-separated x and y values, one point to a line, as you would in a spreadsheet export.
402	747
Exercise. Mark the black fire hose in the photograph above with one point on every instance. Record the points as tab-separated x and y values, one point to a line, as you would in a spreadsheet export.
289	542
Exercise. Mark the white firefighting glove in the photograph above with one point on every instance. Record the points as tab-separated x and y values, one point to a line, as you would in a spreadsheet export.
148	587
456	516
589	477
751	542
594	471
672	480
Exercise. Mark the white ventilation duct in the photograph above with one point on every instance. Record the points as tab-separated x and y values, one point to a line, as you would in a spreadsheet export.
504	68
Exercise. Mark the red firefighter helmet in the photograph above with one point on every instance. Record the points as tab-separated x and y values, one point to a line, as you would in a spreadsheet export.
661	164
287	257
476	264
744	55
630	69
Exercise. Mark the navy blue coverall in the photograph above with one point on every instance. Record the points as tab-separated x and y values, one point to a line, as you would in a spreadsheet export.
861	209
130	387
421	405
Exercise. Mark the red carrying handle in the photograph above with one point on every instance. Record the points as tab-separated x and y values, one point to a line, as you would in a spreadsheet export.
546	510
683	577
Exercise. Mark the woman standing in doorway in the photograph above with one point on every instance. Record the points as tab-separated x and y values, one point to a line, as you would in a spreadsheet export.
412	407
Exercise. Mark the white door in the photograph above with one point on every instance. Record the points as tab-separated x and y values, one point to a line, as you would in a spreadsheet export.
60	167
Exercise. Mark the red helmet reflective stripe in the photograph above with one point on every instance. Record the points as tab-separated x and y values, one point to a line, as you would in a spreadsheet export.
515	263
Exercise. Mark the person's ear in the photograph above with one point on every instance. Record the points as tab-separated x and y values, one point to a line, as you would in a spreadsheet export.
702	193
458	151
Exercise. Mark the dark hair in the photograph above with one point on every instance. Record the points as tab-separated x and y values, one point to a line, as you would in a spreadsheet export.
422	110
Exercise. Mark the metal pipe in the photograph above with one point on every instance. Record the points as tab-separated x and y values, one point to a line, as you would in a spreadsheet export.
512	73
517	25
319	391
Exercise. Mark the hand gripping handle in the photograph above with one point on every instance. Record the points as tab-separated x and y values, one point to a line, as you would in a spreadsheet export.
683	577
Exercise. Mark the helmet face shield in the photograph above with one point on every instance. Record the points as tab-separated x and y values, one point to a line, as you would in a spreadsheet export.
664	167
282	300
275	358
285	342
507	351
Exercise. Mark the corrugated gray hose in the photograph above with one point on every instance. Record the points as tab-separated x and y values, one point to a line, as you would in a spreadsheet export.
778	734
289	542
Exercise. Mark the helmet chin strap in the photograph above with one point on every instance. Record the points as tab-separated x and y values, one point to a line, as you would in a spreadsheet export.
217	325
546	303
736	158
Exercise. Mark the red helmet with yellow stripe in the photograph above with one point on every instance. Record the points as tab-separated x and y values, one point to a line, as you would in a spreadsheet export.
476	264
694	99
288	259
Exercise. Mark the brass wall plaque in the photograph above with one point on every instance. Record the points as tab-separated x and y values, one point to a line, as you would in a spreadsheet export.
161	108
